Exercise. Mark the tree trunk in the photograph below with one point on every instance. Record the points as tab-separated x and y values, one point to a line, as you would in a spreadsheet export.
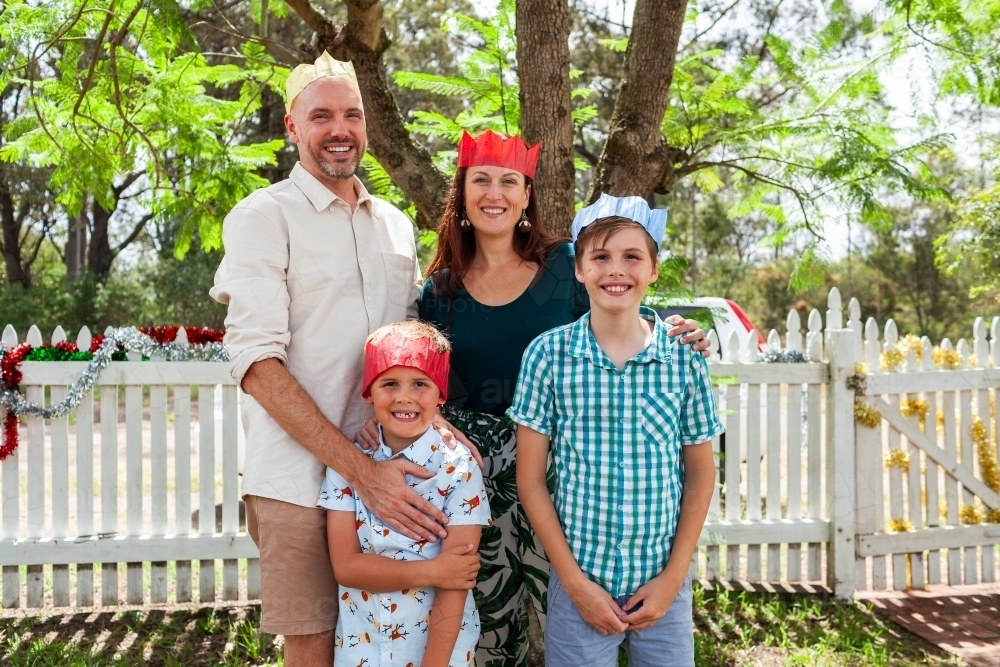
76	247
99	253
543	71
12	256
363	41
635	159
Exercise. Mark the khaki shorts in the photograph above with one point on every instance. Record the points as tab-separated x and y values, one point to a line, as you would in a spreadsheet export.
298	591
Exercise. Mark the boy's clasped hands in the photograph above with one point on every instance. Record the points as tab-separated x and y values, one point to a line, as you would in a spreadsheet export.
649	604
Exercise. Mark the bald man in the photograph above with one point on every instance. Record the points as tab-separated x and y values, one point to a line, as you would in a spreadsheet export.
313	265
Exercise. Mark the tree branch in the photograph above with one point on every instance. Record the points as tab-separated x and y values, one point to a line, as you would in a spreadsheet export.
635	159
588	157
93	62
312	16
139	226
129	180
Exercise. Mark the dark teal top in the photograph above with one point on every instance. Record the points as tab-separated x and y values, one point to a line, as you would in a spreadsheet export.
488	341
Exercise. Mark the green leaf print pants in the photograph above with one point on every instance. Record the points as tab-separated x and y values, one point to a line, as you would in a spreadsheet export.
512	559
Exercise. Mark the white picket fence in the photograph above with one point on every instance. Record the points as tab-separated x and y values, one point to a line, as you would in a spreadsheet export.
139	510
771	461
804	493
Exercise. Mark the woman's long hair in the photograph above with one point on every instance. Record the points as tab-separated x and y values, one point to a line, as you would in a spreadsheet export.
457	247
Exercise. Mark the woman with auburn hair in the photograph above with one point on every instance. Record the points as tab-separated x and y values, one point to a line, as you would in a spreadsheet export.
497	281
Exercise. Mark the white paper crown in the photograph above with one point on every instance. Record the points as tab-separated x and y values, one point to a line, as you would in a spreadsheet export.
654	221
305	74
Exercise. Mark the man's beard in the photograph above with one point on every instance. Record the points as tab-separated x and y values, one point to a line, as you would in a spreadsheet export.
338	173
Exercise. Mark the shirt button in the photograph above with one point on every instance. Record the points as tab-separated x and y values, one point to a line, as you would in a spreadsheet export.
621	464
621	507
621	421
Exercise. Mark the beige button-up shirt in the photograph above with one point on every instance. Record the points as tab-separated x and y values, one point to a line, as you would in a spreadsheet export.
306	281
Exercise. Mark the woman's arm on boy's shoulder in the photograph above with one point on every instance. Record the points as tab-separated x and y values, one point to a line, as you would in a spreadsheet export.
449	604
595	605
658	594
455	567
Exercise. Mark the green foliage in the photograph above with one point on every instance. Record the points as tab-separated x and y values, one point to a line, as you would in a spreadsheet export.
115	90
963	37
975	239
379	182
795	136
669	286
487	83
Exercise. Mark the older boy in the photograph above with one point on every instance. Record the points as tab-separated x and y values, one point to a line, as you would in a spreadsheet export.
630	414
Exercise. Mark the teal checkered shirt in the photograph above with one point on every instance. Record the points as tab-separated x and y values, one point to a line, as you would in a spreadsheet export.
616	440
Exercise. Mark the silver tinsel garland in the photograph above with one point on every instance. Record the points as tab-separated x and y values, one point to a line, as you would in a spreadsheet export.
133	341
775	355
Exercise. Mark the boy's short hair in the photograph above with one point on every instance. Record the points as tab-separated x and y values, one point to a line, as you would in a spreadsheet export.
414	330
600	230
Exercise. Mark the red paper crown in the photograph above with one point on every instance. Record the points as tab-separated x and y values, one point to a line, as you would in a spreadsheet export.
492	150
397	349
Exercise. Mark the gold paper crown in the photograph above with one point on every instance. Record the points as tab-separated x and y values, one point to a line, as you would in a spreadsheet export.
324	66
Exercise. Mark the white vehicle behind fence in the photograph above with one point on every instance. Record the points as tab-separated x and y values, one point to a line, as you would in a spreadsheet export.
723	315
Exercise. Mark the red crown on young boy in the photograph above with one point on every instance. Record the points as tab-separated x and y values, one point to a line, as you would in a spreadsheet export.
493	150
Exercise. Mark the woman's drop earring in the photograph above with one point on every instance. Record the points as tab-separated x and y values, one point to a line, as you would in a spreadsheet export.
464	222
524	223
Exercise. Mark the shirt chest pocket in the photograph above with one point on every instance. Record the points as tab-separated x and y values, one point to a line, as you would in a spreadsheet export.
661	415
399	277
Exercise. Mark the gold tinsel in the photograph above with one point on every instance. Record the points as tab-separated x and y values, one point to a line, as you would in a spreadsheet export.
866	415
987	465
912	342
986	454
940	420
900	526
970	514
891	360
948	360
897	458
861	368
914	406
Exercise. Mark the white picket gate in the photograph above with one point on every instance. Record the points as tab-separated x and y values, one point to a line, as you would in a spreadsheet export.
804	495
931	529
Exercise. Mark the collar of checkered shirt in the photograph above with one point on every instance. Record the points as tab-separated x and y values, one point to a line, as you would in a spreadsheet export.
583	344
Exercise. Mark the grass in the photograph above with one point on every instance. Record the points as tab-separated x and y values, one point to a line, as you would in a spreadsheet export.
744	628
202	637
733	629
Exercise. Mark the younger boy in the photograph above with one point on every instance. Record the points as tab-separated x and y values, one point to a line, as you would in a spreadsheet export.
630	414
405	602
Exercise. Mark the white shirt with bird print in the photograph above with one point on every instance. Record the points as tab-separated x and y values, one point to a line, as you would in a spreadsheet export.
390	629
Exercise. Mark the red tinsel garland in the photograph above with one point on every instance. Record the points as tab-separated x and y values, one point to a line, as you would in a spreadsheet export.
195	335
10	368
10	374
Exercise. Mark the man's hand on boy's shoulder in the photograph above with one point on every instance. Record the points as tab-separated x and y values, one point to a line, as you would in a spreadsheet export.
382	487
656	597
